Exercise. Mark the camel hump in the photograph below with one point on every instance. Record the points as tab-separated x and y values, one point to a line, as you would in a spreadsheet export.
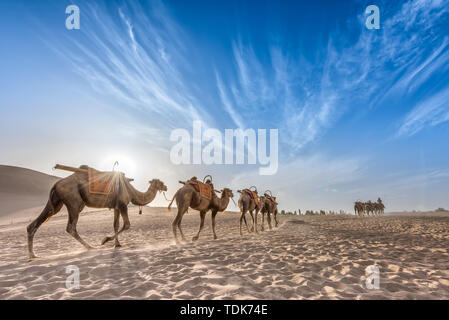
84	166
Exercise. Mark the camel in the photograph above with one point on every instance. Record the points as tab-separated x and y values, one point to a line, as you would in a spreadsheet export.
248	204
187	197
73	192
379	207
359	208
369	208
269	207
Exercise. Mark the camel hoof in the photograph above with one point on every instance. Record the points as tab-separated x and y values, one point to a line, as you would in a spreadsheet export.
215	237
105	240
33	256
195	238
117	245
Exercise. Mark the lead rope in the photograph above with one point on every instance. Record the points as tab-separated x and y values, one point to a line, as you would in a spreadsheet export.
165	197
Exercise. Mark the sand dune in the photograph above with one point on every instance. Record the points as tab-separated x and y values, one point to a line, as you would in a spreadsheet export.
22	192
305	258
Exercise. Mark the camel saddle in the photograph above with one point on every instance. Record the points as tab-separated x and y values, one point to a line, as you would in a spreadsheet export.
253	195
102	182
271	198
205	189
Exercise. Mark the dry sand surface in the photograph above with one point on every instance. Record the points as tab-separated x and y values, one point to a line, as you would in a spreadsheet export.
305	258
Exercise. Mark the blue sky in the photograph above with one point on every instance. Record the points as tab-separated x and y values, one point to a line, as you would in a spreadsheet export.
361	113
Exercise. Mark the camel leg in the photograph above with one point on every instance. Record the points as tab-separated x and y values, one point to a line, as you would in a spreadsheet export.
126	224
71	226
177	223
269	220
180	231
214	213
241	220
202	216
123	211
255	222
33	226
116	225
276	222
246	224
175	226
252	217
262	228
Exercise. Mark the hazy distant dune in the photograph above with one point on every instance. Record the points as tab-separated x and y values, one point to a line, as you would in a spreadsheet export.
22	188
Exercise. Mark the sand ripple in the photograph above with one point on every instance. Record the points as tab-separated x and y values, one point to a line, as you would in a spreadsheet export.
305	258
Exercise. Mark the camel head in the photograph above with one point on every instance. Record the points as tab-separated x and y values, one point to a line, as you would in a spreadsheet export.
158	184
226	192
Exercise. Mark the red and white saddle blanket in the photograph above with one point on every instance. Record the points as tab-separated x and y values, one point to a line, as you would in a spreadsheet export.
102	182
205	189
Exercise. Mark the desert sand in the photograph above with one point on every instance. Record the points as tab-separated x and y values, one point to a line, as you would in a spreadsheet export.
304	258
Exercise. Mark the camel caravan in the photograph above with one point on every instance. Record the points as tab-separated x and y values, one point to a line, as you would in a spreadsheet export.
369	208
87	187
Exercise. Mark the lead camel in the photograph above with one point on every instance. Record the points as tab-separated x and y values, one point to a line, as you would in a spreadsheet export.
73	192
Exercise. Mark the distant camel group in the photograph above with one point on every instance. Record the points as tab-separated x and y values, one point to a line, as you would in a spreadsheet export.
75	193
369	208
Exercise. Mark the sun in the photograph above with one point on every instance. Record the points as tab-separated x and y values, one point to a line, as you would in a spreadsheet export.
125	164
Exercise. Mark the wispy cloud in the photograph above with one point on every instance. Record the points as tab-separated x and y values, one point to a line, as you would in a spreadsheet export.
430	112
306	98
229	106
138	62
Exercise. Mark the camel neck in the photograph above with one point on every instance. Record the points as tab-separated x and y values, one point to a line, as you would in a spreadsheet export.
223	203
142	198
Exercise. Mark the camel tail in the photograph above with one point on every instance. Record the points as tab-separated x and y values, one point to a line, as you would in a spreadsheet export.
49	210
171	202
240	204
